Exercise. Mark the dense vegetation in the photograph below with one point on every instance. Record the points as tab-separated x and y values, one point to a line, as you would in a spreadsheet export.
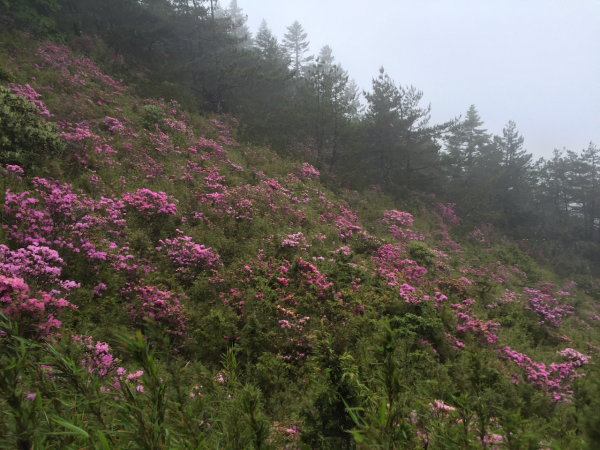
294	277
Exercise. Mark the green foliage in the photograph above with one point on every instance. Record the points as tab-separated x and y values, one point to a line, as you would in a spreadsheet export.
152	116
514	432
387	420
512	255
34	15
421	253
26	139
6	76
327	420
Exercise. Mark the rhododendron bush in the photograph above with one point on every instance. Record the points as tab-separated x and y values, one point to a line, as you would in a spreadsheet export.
163	284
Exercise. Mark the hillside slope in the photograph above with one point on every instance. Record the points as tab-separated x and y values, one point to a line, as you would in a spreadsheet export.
276	308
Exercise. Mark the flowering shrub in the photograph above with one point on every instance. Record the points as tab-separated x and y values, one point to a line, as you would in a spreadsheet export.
25	138
149	202
31	96
308	172
576	358
13	171
485	331
97	358
35	264
345	227
35	313
447	213
477	235
403	218
553	380
113	125
162	307
542	305
187	255
393	268
295	240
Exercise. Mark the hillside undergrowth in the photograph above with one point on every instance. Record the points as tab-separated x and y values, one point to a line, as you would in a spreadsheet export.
163	285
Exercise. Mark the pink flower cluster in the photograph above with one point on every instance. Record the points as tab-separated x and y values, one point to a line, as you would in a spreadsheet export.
553	380
149	202
344	250
60	57
183	252
162	307
578	359
447	213
407	292
13	171
63	219
30	95
308	172
113	125
97	357
314	278
403	218
391	265
177	125
542	305
345	227
36	313
485	331
477	235
36	265
507	297
295	240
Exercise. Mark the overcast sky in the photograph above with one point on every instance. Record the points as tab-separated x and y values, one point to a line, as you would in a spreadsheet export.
534	62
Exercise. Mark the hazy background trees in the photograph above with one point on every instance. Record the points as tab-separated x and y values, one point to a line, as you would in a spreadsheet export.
307	106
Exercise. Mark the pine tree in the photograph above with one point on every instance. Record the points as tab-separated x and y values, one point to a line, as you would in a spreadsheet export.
465	143
511	146
294	41
240	28
267	45
513	191
403	145
352	95
591	191
326	58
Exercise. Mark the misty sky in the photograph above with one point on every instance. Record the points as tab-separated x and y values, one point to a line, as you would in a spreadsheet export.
534	62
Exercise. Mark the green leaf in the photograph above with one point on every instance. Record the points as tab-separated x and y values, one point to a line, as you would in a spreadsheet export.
75	431
103	441
38	400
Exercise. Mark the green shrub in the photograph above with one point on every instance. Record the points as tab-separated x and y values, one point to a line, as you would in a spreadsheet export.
25	138
421	254
152	115
5	76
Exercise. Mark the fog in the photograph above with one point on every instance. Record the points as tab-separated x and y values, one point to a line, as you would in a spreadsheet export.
534	62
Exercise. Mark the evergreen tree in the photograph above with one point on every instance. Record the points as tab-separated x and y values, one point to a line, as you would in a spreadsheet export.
240	28
471	163
513	190
591	189
296	45
402	144
352	95
267	45
324	110
326	58
511	146
465	143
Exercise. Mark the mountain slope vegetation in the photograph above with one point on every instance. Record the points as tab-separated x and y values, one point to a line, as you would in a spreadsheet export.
168	282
